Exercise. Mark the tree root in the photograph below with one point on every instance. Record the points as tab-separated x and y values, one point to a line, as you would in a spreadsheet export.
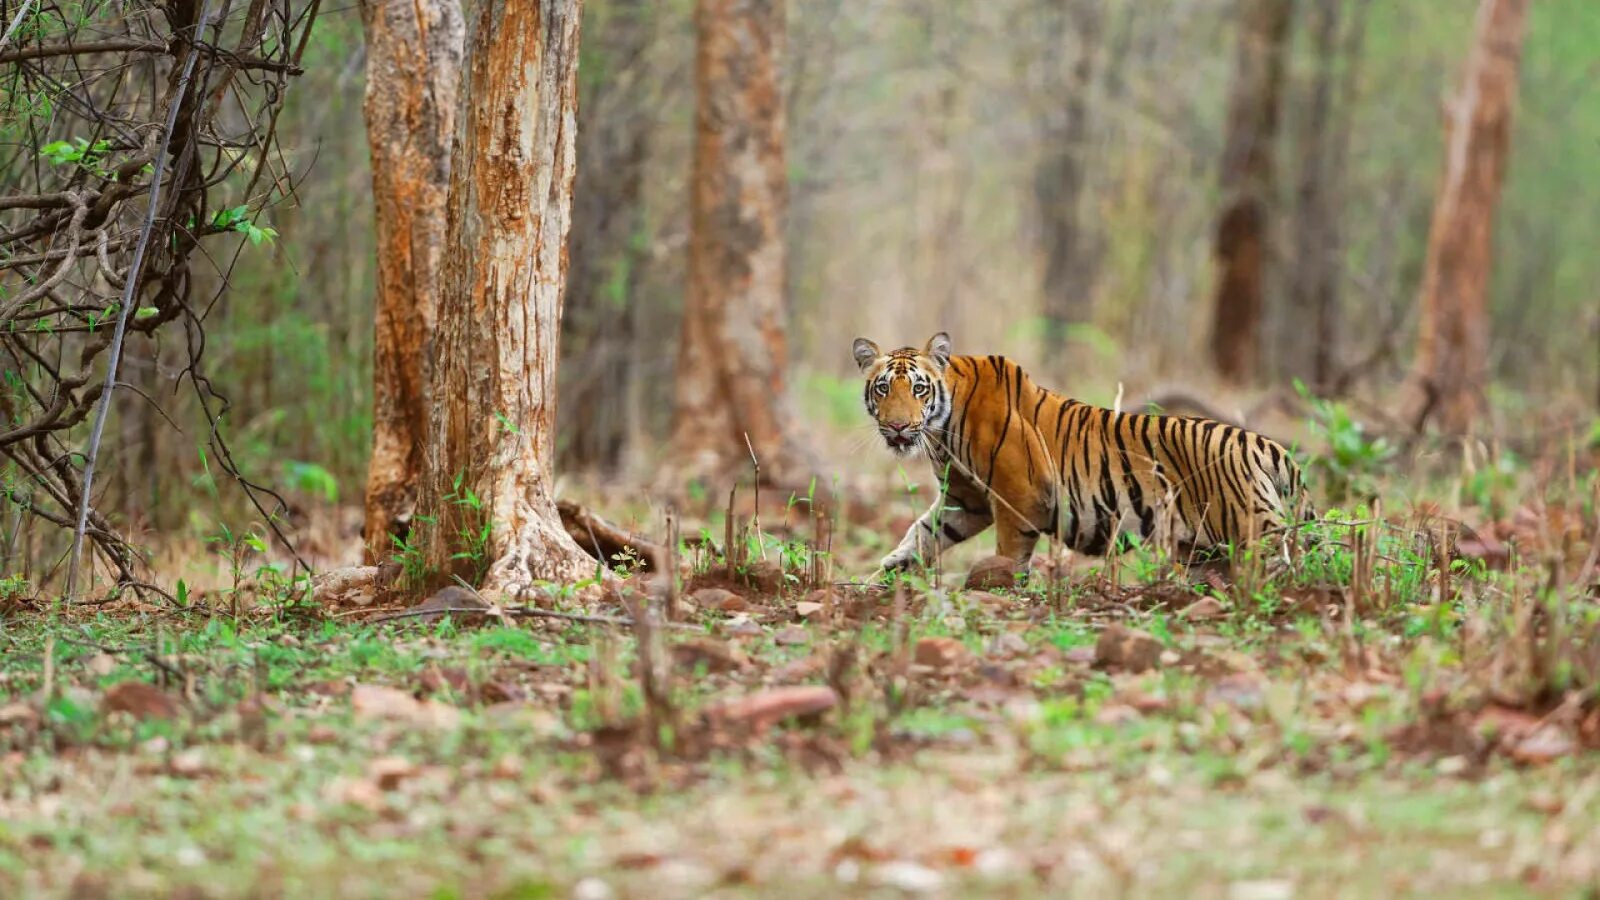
605	540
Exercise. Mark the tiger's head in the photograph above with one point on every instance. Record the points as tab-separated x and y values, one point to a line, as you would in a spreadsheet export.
906	392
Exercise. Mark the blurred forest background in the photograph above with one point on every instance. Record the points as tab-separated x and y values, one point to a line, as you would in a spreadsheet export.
1038	177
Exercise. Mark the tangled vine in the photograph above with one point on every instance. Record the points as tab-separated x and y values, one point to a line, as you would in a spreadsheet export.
123	126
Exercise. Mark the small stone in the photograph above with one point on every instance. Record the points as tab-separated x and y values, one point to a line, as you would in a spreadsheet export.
1115	714
101	664
1203	609
140	700
990	602
17	714
805	609
1547	744
1261	890
1547	802
718	598
774	705
592	889
941	652
190	763
350	586
908	876
744	627
764	577
1238	690
377	702
994	573
1120	647
356	792
792	636
387	772
1082	656
716	655
1008	643
797	671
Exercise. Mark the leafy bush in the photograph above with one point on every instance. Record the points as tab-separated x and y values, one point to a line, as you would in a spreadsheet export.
1351	461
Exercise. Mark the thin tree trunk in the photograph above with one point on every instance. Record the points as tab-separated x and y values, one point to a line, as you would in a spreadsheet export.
1451	371
935	203
413	74
1059	179
608	250
1311	326
733	356
1244	229
487	485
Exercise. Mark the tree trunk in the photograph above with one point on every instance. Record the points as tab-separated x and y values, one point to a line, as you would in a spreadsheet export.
1243	230
608	241
1310	326
1451	370
487	485
413	73
733	355
1059	179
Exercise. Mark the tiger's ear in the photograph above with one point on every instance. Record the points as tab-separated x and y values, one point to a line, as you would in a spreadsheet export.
939	348
866	353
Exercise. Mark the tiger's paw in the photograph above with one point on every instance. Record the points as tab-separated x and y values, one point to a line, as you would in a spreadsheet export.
898	561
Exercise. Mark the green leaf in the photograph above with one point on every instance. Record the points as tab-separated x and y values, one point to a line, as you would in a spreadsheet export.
312	479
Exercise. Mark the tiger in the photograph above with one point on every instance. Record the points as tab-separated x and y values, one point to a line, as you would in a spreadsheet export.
1032	462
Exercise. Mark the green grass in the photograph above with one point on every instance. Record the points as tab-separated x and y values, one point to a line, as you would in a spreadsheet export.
1322	733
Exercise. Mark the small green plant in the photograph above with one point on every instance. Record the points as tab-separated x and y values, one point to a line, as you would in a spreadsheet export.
236	547
14	586
311	478
414	568
1488	485
77	151
1352	461
238	219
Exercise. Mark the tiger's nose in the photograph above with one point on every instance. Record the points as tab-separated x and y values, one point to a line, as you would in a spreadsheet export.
899	427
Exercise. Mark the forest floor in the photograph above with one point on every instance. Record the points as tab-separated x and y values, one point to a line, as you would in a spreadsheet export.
1355	721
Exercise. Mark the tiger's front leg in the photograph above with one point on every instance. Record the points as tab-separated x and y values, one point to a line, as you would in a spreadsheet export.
943	526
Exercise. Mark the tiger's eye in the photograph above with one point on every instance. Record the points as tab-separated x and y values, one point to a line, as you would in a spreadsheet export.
883	389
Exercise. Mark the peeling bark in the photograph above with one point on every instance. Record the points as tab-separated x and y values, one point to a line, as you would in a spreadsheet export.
1451	370
733	352
489	463
413	74
1243	232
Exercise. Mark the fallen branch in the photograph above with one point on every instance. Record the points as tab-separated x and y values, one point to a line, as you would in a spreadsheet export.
606	540
531	612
